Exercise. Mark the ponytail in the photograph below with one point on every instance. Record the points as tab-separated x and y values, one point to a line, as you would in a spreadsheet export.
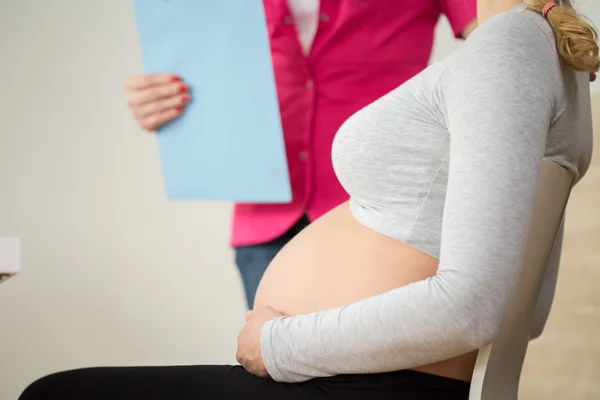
576	39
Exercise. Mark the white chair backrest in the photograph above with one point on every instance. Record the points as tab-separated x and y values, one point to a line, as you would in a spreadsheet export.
498	368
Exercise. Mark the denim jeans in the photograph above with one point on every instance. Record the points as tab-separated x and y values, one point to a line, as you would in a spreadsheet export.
252	261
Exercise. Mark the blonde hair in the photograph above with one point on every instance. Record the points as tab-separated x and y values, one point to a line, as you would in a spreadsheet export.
576	39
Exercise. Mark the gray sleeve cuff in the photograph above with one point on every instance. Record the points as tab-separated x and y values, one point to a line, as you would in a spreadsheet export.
268	352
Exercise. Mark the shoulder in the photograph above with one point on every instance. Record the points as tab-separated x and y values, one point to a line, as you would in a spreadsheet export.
511	52
521	33
508	60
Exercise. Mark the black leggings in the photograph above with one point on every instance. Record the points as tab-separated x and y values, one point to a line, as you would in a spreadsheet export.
227	382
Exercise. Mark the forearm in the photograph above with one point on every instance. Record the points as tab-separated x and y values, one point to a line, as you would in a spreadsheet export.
405	328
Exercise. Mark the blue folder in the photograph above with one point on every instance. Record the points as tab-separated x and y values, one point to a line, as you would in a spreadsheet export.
228	144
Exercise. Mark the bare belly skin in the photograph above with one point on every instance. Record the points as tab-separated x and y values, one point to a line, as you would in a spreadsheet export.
335	261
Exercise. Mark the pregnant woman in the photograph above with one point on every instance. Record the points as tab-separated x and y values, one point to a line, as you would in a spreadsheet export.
390	295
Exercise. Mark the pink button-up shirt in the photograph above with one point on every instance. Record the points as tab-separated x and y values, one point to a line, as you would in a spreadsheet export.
362	50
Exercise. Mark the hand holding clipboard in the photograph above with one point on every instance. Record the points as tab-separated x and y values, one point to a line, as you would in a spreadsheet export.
227	144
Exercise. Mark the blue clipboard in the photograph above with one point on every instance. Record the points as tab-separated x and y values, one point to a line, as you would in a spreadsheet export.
228	144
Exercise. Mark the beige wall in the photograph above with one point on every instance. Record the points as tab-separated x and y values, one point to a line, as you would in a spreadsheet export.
113	273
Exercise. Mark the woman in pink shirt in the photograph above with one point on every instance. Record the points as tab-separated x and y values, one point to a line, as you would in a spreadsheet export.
331	58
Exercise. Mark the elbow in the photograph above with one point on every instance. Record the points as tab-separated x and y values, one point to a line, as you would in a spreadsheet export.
477	315
480	327
480	336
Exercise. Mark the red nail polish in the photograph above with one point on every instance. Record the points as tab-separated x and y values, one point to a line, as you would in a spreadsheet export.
183	88
179	109
185	98
175	78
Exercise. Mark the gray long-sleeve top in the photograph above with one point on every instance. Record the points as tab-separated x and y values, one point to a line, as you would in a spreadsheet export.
447	163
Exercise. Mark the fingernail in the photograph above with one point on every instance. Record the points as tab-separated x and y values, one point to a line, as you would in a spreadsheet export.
185	98
179	109
175	78
183	88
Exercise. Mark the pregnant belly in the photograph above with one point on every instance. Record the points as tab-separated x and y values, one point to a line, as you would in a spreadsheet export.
335	261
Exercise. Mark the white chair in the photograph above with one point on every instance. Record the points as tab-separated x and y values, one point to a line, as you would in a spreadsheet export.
498	368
